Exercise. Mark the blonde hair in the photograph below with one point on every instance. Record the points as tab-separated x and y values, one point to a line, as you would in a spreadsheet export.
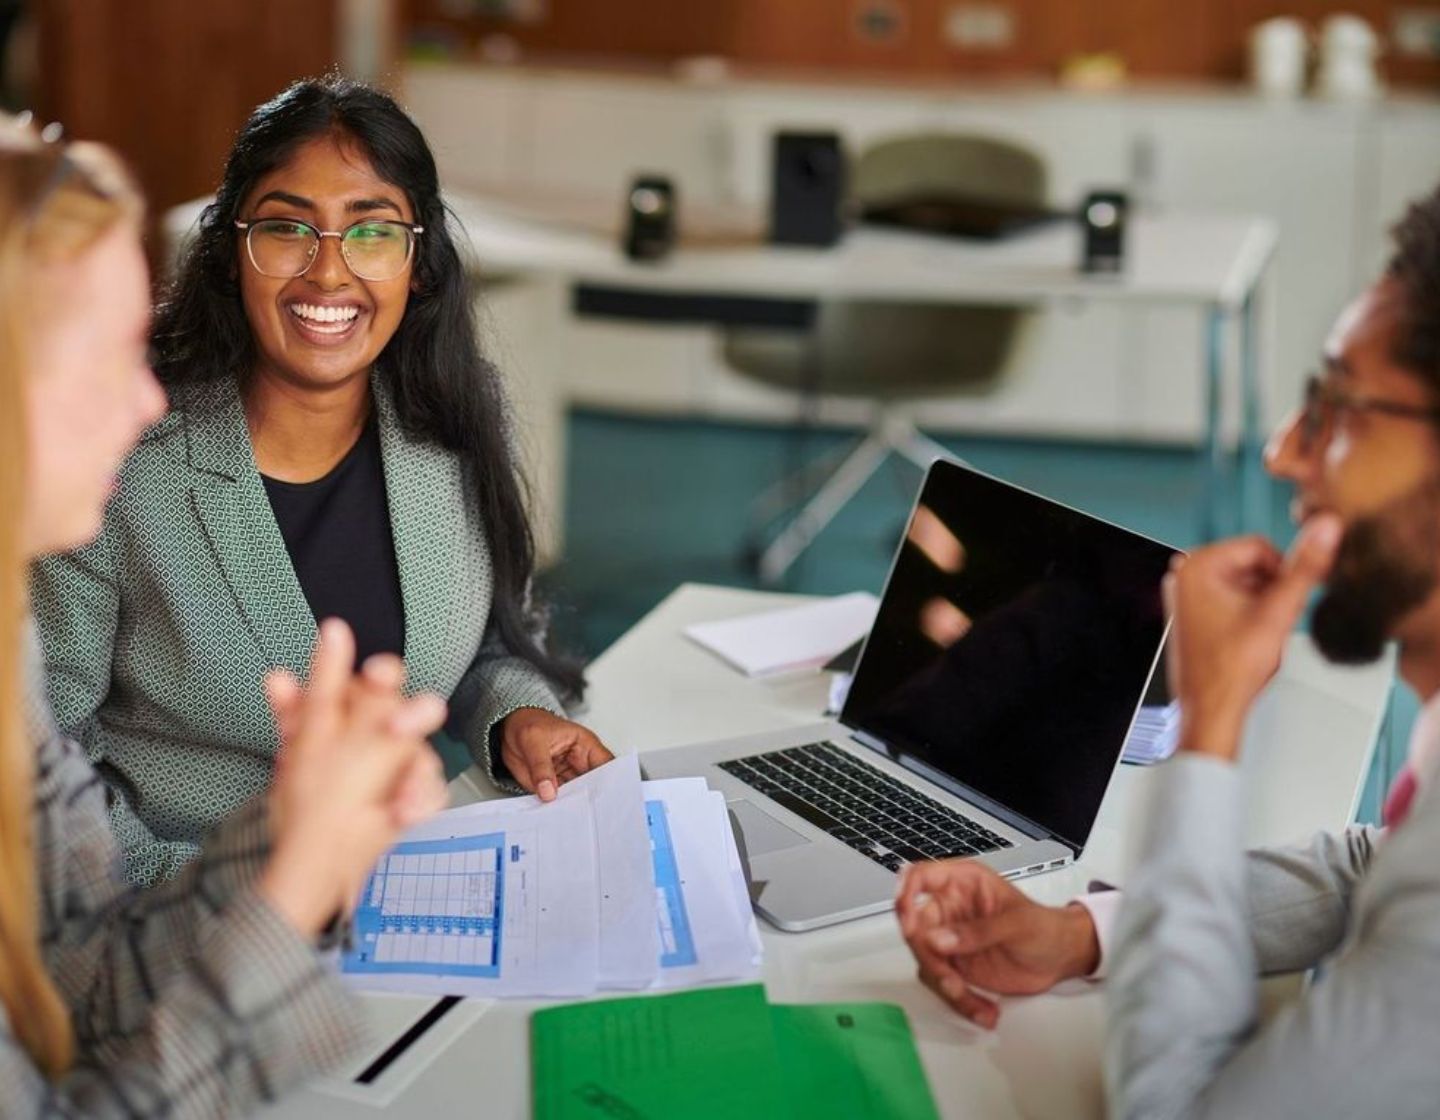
55	202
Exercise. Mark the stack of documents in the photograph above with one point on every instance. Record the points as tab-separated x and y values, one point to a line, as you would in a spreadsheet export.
1154	735
725	1053
618	884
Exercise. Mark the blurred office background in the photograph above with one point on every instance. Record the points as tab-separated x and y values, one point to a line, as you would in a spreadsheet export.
649	442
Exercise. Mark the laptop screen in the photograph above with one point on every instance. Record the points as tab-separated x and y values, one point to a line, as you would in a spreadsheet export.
1012	646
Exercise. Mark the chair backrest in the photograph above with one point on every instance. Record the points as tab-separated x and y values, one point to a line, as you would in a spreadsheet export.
890	350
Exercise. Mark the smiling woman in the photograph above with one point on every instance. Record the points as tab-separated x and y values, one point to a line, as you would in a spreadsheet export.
337	446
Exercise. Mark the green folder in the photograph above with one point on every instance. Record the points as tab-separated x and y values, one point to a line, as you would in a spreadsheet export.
725	1053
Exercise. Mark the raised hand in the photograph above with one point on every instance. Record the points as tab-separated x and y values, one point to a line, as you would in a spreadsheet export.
1234	604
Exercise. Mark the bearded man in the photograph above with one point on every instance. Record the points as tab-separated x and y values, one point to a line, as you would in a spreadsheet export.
1183	945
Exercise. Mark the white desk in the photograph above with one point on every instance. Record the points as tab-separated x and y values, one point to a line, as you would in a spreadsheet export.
1209	261
1308	753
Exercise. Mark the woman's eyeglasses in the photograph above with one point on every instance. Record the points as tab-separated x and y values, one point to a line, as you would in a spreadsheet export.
1324	401
283	248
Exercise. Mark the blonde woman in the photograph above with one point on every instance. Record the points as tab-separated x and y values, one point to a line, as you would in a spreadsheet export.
206	996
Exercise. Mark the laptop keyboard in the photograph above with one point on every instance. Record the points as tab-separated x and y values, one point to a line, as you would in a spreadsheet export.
862	806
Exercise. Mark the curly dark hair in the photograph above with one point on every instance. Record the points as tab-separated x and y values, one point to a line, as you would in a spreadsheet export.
1416	265
444	390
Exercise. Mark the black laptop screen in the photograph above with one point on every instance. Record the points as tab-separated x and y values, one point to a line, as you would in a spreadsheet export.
1012	645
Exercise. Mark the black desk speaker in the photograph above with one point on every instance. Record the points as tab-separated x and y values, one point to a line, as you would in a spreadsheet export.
650	225
809	189
1103	218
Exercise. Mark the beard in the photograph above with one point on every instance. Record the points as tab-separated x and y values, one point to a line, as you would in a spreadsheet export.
1384	569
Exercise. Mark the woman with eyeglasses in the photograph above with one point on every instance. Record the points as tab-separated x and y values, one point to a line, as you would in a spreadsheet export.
337	446
208	995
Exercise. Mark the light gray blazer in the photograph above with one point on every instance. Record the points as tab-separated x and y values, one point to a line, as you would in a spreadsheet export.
1202	918
158	635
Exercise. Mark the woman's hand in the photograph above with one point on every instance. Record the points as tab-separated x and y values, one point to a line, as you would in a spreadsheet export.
970	928
543	751
355	770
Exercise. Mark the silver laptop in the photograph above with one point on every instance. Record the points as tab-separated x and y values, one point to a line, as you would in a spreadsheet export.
1012	646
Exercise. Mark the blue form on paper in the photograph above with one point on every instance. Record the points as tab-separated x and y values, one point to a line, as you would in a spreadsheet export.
677	947
435	908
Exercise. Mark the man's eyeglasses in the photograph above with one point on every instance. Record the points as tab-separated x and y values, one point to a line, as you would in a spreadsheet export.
283	248
1324	401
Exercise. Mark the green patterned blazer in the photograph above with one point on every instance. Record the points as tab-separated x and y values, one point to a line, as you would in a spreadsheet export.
158	635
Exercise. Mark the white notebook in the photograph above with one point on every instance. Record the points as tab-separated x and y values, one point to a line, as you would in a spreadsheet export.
789	640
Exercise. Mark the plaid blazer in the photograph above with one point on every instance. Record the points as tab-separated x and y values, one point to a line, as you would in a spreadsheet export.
191	999
158	635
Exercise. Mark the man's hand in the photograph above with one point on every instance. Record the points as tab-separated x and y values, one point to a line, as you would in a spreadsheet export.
1234	604
543	751
970	929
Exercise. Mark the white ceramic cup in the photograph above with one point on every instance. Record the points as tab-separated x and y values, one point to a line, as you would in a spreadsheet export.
1349	48
1279	49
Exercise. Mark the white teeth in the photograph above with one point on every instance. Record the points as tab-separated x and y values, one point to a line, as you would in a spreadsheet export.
314	313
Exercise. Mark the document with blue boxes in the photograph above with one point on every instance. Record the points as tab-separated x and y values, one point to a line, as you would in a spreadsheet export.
617	884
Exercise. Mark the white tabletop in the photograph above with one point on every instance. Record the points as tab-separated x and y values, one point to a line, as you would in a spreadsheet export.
1176	258
1308	753
1212	259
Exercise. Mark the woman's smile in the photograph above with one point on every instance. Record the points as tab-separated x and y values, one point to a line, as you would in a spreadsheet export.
324	323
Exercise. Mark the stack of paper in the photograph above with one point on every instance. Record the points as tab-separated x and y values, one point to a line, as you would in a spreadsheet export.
1154	735
618	884
788	640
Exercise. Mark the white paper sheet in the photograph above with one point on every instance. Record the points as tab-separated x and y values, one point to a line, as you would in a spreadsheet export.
616	884
629	939
716	942
789	640
492	904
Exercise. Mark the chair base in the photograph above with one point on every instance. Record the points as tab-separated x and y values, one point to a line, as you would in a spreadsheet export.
842	475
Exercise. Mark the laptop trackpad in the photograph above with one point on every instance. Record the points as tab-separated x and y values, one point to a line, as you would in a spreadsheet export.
761	833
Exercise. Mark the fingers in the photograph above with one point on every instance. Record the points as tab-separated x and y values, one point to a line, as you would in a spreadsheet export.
976	935
374	693
541	765
1252	553
953	990
419	717
333	663
1307	563
330	672
584	754
926	923
530	762
421	791
968	1002
956	881
283	693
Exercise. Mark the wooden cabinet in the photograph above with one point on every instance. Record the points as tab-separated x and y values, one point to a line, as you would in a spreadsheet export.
168	82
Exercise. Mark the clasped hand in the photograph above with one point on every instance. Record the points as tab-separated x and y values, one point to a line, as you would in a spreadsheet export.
355	770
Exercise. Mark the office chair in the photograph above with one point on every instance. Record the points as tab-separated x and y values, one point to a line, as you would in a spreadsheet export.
887	352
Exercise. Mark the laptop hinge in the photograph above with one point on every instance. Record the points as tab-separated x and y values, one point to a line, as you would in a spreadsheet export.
959	789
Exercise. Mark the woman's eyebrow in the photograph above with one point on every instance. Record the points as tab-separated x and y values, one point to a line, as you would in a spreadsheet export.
359	204
285	197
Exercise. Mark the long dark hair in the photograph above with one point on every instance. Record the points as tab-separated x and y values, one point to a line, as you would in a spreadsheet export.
442	388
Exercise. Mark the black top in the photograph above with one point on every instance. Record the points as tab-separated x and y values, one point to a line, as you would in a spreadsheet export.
337	531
